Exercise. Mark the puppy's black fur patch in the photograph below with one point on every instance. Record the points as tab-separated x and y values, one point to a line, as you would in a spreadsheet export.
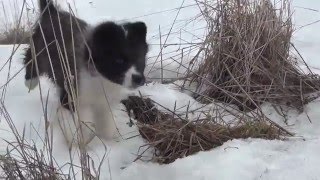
126	47
72	44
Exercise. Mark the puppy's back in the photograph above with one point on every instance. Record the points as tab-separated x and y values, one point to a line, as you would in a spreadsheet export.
57	41
43	4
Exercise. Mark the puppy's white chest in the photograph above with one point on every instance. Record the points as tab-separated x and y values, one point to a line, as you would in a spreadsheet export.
97	98
96	90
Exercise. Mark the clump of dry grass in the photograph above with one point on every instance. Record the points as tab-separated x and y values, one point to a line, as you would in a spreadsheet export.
173	137
177	139
247	57
32	166
15	35
144	110
24	160
15	26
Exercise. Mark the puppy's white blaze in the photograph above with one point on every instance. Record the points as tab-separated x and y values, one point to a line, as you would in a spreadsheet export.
32	83
128	77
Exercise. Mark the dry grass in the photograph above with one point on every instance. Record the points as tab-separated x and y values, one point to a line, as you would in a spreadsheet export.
18	35
247	59
177	139
15	28
33	166
173	137
24	160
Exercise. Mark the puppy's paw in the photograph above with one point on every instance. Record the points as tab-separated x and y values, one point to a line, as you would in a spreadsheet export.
32	83
110	133
75	134
81	136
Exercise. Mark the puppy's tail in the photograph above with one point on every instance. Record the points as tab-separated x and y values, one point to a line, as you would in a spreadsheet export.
43	4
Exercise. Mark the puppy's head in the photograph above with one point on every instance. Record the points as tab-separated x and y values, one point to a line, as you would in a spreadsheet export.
119	52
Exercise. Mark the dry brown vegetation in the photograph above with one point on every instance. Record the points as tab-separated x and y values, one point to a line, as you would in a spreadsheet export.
18	35
174	137
15	28
247	58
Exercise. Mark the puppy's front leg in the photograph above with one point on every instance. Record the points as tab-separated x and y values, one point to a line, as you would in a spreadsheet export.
104	122
76	127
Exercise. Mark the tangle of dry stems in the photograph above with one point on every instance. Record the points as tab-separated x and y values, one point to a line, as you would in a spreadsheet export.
247	58
172	137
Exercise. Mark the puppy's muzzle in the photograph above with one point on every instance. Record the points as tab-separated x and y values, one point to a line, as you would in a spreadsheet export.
138	80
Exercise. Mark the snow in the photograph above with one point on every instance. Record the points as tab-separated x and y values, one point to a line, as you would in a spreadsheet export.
244	159
306	38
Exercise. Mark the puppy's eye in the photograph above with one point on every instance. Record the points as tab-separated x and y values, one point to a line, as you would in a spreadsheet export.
120	61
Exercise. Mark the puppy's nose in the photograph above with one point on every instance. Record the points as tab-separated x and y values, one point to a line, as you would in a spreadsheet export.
138	79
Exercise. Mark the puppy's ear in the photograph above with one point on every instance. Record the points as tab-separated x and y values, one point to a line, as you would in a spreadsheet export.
136	31
107	32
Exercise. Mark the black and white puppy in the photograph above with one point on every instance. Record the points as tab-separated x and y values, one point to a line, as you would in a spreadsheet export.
89	65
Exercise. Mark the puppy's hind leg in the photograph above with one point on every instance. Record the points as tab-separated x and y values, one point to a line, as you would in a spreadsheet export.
68	94
31	76
66	100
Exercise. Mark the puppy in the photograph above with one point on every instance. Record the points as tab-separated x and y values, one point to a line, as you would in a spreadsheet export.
89	65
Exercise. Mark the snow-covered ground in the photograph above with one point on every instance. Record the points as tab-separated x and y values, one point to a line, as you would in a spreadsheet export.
250	159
